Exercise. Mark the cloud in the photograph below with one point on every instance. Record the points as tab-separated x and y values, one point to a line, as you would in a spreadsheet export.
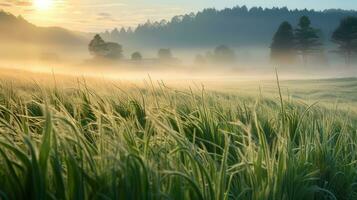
104	5
82	21
23	3
29	10
5	5
104	14
19	3
107	19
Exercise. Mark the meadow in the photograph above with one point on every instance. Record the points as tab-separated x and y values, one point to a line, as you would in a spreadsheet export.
77	138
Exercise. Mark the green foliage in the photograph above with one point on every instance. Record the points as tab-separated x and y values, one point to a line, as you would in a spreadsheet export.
136	56
99	48
346	37
308	39
172	145
224	54
164	54
283	46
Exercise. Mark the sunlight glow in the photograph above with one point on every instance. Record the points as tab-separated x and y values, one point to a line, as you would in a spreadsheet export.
43	4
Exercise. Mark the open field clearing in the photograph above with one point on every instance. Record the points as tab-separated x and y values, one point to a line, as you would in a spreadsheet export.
178	100
75	138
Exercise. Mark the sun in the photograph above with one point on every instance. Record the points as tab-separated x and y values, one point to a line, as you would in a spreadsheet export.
43	4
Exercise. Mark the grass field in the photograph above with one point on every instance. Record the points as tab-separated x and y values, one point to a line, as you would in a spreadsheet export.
87	139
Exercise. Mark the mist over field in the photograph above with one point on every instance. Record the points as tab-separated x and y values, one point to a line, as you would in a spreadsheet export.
246	37
149	100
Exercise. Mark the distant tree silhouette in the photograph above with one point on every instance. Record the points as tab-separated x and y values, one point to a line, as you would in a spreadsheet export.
200	59
136	56
164	54
99	48
115	34
224	54
106	34
282	49
96	45
346	37
235	26
307	38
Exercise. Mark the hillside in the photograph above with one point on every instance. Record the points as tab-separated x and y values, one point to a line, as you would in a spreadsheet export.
22	40
18	30
232	26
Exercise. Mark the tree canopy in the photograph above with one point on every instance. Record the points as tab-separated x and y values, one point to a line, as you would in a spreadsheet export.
283	46
164	54
136	56
99	48
234	26
224	54
346	37
307	38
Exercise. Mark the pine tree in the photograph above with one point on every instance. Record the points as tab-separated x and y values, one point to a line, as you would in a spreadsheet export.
307	38
283	46
346	37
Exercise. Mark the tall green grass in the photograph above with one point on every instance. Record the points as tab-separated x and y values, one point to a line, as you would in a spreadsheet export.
160	143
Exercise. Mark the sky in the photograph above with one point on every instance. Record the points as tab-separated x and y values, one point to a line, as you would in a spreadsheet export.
100	15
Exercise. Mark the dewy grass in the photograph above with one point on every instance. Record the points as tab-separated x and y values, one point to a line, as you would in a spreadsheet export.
159	143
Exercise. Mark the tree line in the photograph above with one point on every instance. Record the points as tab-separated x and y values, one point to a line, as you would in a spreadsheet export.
288	44
306	40
236	26
101	49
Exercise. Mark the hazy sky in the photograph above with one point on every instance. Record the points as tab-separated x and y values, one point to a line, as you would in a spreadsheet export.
99	15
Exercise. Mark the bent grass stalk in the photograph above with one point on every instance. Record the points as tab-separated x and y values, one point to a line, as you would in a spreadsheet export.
166	144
